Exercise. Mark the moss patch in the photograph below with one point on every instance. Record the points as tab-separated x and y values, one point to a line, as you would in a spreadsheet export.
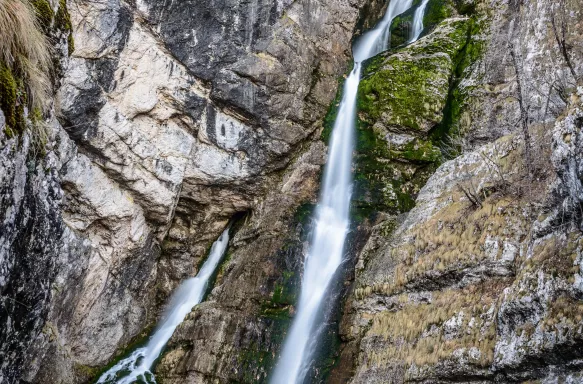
401	27
332	114
455	120
12	101
408	90
401	97
44	13
8	95
283	298
63	23
436	12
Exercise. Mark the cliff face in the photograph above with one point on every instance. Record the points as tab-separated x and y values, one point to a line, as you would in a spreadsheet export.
480	281
172	118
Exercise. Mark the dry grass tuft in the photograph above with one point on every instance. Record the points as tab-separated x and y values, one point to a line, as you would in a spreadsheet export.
25	50
418	333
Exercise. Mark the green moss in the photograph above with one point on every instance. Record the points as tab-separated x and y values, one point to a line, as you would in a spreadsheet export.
12	101
458	100
70	44
63	23
399	94
408	91
436	12
402	91
8	90
255	362
418	151
223	265
401	27
86	372
304	213
389	179
62	18
44	13
276	310
332	113
283	298
465	7
473	49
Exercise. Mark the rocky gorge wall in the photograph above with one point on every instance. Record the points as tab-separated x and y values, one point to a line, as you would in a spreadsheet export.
479	282
156	141
171	118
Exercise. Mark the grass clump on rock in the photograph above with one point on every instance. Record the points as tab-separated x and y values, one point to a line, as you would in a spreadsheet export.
25	62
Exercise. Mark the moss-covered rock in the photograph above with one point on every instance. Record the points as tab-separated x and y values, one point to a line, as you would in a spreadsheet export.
402	97
8	95
407	90
63	24
456	119
62	18
436	12
401	27
12	100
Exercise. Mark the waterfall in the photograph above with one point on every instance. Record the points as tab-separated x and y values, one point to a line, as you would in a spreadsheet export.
377	40
418	21
190	293
332	214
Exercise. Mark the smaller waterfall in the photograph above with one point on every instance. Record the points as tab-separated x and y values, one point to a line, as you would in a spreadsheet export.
377	39
190	293
418	21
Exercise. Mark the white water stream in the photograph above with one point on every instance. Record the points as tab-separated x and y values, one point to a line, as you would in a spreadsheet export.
418	21
190	293
332	215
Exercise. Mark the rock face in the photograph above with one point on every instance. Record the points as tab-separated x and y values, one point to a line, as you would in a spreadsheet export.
479	282
30	237
171	119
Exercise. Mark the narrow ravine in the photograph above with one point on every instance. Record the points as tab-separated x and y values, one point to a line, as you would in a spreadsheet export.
190	293
332	215
332	220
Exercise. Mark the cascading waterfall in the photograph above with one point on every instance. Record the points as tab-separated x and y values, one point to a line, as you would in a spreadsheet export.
332	214
190	293
418	21
377	40
325	255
